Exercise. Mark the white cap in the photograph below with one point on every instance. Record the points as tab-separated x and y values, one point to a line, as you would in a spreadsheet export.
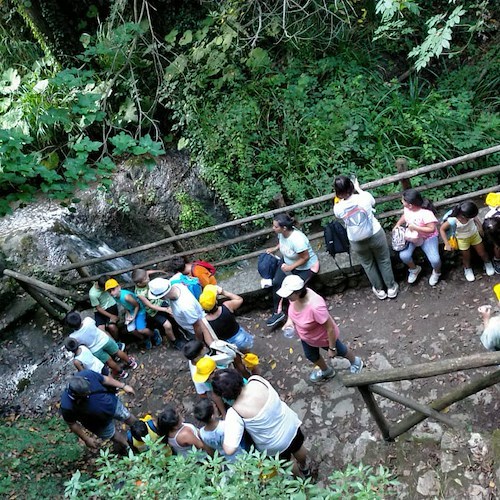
291	283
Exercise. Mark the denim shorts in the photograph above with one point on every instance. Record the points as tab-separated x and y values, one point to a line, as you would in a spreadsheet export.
242	340
139	322
121	414
109	349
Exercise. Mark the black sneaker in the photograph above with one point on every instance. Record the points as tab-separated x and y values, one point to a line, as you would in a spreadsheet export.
496	265
179	344
275	319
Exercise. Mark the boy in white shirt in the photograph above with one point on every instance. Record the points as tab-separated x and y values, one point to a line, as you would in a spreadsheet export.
84	359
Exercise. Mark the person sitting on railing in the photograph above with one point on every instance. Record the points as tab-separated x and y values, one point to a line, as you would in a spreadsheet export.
464	219
102	346
298	258
491	228
156	309
367	238
186	310
105	307
419	217
135	316
204	271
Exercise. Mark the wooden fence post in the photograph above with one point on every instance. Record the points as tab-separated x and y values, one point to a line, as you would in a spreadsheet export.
82	271
401	167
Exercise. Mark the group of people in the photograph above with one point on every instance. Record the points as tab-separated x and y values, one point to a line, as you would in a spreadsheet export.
237	407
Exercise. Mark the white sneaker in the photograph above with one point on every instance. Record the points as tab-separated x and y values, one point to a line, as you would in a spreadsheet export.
380	294
392	293
488	267
433	280
469	274
413	274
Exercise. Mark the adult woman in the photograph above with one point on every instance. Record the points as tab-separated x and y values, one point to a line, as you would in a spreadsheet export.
298	258
181	436
419	215
223	322
367	238
257	408
308	314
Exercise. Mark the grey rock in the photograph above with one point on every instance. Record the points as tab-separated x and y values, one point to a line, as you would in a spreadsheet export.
428	484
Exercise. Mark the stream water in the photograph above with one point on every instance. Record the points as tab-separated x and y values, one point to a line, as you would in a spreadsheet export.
33	363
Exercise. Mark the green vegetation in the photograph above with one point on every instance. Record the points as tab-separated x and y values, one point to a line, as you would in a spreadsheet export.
155	475
37	457
265	100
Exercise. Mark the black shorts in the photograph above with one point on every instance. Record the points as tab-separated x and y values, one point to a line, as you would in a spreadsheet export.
294	446
158	319
100	319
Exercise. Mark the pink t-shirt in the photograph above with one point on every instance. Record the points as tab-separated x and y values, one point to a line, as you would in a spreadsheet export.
421	218
310	321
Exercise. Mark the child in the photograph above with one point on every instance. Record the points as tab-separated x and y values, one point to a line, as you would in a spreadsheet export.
194	352
419	215
212	433
197	269
181	435
84	359
105	308
135	316
100	345
490	337
155	308
468	228
491	228
145	426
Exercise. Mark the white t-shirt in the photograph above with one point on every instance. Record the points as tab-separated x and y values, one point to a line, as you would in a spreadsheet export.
215	438
272	429
90	335
491	334
88	360
296	243
357	214
201	387
186	309
465	230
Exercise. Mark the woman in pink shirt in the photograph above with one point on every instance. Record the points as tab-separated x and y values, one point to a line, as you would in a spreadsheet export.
419	215
308	314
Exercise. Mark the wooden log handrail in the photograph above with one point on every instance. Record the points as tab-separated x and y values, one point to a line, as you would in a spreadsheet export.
271	213
269	230
33	282
423	370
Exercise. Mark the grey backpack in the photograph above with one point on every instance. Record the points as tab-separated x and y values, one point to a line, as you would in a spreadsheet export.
398	239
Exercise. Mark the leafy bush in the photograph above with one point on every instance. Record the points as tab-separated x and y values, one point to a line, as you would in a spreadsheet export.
153	474
36	457
64	129
258	128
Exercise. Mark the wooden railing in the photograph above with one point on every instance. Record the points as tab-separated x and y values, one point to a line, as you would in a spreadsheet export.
52	298
368	382
321	200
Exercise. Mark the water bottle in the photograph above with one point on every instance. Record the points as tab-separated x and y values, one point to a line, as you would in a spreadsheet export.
289	332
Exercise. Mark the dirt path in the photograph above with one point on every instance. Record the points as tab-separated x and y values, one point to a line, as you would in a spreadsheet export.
422	324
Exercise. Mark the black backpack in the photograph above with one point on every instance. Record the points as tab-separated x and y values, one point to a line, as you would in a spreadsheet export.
267	265
336	240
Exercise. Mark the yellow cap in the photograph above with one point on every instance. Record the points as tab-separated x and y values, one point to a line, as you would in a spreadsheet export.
208	297
496	290
204	368
251	360
111	283
493	200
